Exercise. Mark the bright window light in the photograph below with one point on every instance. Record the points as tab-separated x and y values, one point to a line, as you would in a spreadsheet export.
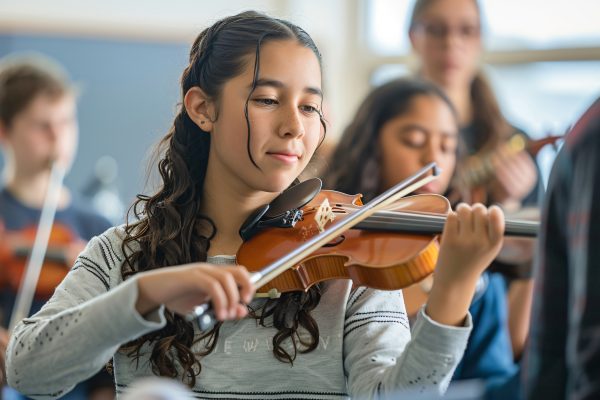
508	24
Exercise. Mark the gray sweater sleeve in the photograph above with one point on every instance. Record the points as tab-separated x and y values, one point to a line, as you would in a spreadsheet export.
380	358
91	314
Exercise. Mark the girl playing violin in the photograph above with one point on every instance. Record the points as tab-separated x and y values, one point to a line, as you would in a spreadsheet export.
249	123
38	126
400	127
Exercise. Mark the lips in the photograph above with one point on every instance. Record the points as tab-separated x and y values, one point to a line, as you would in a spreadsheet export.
285	156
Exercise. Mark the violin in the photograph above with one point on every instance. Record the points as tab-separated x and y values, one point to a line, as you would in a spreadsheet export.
33	268
389	243
16	247
390	250
476	170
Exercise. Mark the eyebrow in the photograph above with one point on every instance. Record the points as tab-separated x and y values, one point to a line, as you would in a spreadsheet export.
278	84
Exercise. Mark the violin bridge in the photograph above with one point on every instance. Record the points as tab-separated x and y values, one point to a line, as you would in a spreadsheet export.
323	215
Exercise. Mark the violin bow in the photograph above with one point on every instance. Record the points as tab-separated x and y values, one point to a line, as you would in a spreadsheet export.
36	259
204	313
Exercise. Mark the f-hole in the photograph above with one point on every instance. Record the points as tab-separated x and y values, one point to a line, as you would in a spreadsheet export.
335	241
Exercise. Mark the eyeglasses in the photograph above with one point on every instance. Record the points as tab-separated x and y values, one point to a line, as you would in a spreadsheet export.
440	31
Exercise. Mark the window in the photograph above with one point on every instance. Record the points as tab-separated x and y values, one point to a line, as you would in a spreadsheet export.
508	24
544	58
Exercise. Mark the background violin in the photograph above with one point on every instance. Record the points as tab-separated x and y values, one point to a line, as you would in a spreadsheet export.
16	246
477	170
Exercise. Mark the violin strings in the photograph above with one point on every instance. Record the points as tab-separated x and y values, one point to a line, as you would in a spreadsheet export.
433	223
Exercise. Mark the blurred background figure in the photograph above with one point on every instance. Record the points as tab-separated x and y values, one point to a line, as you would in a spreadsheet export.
38	127
544	73
563	361
446	36
495	166
401	127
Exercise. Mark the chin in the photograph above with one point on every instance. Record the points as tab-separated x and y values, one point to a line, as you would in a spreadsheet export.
276	184
447	76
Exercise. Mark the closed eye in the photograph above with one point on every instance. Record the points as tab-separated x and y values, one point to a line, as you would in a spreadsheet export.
414	138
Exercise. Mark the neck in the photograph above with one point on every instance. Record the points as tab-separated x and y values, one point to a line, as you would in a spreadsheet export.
459	92
228	206
30	189
461	99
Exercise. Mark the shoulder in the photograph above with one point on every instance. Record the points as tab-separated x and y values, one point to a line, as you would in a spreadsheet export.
110	247
14	214
102	260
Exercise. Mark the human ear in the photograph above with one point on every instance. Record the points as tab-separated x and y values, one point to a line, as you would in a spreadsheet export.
200	108
414	40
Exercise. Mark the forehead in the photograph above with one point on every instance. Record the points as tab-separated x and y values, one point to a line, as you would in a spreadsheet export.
49	101
452	10
48	106
287	61
429	110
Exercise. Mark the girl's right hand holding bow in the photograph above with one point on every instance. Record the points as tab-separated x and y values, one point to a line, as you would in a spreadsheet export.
471	240
181	288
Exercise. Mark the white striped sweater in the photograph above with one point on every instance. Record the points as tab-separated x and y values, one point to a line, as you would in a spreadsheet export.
365	348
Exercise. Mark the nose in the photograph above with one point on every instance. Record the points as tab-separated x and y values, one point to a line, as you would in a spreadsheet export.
453	39
430	153
450	41
291	123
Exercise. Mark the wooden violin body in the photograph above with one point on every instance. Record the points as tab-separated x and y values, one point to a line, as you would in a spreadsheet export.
15	249
379	259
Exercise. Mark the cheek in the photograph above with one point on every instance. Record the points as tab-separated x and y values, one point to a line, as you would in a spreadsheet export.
34	140
70	134
397	163
314	132
70	142
232	134
447	163
432	54
400	157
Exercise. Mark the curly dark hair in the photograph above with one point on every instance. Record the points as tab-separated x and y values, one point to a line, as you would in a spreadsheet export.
169	229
